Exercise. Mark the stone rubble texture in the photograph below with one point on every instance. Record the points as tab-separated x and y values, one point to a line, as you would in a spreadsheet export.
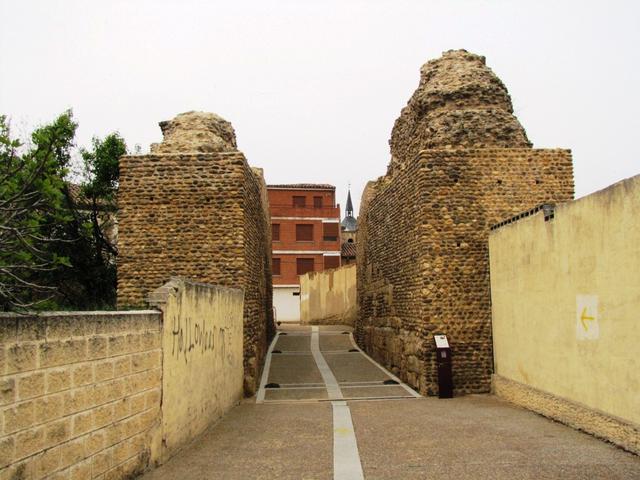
460	163
189	209
196	132
459	103
609	428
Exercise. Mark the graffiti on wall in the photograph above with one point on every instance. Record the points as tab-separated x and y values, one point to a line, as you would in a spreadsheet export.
196	336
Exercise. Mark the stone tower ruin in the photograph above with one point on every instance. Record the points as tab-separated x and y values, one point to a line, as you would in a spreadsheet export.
194	207
460	163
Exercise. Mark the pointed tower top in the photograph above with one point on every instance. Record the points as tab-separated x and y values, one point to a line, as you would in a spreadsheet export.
349	207
349	223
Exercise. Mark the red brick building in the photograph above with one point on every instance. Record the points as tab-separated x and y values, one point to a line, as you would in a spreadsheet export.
305	228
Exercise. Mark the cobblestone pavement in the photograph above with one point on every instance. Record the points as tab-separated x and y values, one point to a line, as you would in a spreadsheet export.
326	411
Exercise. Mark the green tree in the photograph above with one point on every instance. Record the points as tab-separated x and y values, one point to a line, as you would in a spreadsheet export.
57	239
32	211
89	281
102	168
97	206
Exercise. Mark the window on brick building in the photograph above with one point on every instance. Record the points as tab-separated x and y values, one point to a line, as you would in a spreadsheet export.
276	266
275	231
317	202
299	201
304	232
331	261
330	232
304	265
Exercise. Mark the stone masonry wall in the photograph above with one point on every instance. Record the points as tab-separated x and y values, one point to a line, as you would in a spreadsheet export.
459	103
388	274
79	394
259	327
424	257
179	215
200	216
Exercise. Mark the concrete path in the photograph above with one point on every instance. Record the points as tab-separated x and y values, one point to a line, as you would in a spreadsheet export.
324	363
325	411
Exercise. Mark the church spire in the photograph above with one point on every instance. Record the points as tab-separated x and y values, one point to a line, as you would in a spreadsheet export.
349	222
349	208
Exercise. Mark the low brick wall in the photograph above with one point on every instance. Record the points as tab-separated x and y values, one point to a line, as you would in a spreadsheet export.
79	392
110	394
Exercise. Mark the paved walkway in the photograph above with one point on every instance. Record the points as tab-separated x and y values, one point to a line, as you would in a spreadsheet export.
325	410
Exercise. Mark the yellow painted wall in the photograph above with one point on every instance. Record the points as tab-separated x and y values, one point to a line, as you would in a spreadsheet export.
202	358
566	301
329	296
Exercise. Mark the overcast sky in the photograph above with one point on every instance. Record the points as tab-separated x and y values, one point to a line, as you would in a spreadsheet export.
313	87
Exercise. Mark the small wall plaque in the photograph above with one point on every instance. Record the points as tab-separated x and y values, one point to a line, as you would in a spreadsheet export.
441	341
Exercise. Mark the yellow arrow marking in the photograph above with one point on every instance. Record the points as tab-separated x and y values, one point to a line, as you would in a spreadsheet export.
584	318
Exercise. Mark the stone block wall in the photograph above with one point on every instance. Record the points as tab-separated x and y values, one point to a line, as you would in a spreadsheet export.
424	265
201	216
79	394
107	395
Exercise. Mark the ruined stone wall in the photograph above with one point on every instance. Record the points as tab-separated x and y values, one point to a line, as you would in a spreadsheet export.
389	275
423	254
258	310
200	216
179	215
459	103
460	161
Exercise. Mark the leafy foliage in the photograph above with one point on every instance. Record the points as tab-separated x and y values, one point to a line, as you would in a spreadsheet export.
57	241
102	165
31	210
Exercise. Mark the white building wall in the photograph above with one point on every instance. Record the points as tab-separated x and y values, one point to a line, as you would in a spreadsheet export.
286	304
